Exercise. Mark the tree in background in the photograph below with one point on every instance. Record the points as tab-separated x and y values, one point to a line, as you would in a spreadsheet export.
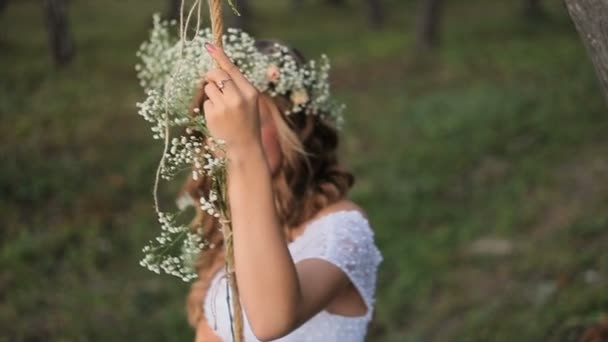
591	20
532	9
376	13
60	39
375	10
427	24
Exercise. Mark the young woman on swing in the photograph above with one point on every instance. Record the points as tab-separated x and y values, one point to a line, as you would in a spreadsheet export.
305	256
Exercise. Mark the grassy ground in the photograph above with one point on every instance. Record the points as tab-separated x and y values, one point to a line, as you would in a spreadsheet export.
484	169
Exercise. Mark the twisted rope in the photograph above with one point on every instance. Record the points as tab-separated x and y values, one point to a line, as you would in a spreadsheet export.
217	28
217	21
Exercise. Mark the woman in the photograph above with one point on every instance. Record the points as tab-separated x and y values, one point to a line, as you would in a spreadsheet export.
305	258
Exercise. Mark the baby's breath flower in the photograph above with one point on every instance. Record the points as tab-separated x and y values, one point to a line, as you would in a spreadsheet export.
174	250
170	78
169	70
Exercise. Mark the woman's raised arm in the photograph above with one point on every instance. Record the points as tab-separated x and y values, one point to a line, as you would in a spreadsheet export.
277	297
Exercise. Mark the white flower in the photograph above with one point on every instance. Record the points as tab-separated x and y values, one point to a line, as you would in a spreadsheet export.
162	63
299	96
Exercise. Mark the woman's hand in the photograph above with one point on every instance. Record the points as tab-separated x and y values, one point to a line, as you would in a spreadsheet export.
232	111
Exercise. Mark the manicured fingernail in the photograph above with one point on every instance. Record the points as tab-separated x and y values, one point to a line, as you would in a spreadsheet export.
209	47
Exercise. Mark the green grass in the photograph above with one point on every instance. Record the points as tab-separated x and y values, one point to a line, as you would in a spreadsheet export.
500	135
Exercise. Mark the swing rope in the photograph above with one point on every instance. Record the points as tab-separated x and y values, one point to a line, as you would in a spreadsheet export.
217	29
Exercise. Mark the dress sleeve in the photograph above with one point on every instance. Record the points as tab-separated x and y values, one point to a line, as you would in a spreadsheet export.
346	240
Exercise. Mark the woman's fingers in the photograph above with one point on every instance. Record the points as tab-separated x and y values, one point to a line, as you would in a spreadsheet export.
231	112
208	107
213	92
221	79
226	64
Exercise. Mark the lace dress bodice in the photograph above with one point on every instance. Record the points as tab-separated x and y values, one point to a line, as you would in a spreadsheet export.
342	238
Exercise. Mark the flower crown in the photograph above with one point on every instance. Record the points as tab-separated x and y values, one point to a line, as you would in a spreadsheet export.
276	73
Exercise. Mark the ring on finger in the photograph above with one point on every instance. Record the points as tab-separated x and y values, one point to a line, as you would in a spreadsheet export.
221	84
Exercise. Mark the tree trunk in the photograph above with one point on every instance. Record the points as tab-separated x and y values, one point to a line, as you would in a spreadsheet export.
591	20
3	5
61	43
532	9
336	2
376	13
427	25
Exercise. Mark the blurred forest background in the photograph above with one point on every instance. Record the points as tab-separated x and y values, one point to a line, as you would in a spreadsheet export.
477	131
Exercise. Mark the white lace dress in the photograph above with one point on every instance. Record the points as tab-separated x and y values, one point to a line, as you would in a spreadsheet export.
343	238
